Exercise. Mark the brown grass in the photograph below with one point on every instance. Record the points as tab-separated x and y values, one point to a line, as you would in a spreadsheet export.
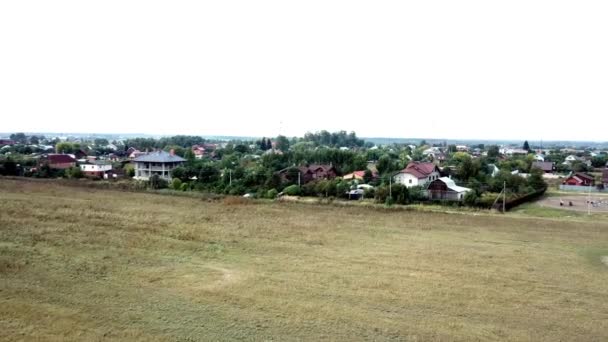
86	264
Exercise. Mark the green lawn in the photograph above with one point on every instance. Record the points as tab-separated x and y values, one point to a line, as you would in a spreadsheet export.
83	264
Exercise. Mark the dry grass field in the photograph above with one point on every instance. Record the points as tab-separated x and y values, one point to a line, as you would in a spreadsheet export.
97	265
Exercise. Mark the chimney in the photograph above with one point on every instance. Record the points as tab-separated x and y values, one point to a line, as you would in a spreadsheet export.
172	152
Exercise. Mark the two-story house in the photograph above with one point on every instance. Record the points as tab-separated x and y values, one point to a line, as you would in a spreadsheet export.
159	163
417	174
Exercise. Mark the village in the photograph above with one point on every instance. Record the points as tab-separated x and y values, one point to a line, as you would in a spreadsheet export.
321	164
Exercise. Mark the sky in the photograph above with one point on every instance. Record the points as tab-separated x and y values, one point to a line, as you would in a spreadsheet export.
434	69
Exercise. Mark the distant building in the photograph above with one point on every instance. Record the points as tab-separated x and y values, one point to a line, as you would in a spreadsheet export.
308	173
96	169
4	142
547	167
444	188
493	170
417	174
60	161
358	175
158	163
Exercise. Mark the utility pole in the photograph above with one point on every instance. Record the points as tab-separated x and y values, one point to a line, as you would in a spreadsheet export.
589	201
504	196
390	187
230	173
299	180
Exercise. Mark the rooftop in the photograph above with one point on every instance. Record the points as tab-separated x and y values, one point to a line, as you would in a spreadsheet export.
159	157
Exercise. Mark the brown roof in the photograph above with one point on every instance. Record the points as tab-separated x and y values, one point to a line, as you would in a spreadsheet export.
605	176
545	166
583	176
419	169
60	159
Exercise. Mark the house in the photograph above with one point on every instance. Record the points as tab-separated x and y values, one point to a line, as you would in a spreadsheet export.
605	177
158	163
572	158
580	179
513	151
444	188
136	153
462	148
60	161
493	170
547	167
96	169
358	175
308	173
7	142
417	174
539	157
203	150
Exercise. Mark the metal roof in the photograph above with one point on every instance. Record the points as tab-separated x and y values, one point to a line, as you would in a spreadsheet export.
159	157
452	186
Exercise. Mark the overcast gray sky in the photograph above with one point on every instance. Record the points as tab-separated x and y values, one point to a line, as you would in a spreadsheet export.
444	69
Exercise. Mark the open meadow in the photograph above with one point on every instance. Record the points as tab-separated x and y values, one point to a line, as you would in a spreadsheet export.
96	265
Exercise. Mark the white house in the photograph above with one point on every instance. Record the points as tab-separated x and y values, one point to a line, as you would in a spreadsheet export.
417	174
493	170
158	163
539	158
95	169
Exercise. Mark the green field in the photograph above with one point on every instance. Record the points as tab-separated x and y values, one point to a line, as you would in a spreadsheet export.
96	265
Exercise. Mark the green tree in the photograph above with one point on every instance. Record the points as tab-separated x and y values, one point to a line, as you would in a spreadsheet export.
101	142
65	147
493	152
536	181
282	143
189	156
368	176
526	146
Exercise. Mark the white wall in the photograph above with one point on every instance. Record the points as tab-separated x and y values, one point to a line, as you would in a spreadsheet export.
95	168
409	180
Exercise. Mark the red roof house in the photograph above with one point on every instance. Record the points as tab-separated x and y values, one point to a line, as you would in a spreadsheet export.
417	174
358	175
309	173
580	179
60	161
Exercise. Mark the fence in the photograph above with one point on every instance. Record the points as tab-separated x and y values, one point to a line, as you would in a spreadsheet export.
580	188
514	202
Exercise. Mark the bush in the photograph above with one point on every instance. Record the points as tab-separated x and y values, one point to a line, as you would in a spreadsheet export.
292	190
272	193
184	187
74	172
487	199
176	184
155	182
470	198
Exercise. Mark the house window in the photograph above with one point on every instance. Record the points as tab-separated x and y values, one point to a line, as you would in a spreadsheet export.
410	181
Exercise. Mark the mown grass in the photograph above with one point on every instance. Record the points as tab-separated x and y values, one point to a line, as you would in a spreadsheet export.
86	264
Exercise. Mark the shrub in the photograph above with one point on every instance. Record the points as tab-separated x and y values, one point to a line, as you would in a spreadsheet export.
74	172
470	198
184	187
155	182
272	193
292	190
176	184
